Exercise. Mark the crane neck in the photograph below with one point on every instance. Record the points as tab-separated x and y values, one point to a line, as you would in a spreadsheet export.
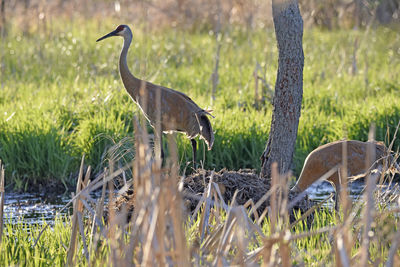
131	83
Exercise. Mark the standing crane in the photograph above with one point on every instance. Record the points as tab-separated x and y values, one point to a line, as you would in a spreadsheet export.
167	110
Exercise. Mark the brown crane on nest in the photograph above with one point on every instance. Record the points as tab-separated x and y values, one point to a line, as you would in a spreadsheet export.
330	156
163	107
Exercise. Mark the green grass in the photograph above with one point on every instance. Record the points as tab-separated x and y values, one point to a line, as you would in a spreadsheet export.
51	249
61	95
18	244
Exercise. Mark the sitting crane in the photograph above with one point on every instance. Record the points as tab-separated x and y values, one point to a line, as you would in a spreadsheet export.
164	108
326	157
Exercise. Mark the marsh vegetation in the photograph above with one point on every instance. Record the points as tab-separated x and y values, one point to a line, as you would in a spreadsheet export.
61	98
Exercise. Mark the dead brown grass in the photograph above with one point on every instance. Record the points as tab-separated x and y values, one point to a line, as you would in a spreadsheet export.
225	211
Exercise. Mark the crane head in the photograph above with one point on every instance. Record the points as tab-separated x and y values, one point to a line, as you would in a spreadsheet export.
119	31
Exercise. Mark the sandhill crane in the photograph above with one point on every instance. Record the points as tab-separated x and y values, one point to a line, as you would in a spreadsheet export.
170	109
327	157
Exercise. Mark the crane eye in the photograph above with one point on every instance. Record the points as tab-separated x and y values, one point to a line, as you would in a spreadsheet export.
120	28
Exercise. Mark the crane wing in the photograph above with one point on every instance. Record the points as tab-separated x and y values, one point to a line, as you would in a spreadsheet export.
179	93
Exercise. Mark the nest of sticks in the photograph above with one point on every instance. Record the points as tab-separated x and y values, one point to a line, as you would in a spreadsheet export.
246	182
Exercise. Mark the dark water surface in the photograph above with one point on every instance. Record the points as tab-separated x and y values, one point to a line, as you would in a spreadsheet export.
35	208
321	191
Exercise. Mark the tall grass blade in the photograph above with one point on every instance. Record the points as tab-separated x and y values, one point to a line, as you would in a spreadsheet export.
76	208
206	214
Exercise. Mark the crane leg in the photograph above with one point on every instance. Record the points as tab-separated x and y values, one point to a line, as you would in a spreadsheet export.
194	147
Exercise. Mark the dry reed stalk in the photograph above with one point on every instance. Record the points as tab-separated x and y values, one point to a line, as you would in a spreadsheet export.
284	248
284	245
90	187
393	164
278	242
74	230
81	204
111	206
226	233
262	200
151	232
161	226
177	215
112	221
139	213
284	198
393	248
319	231
243	234
98	216
77	220
341	252
234	233
274	197
147	246
97	183
206	211
82	232
343	236
72	244
253	210
262	216
369	207
345	202
2	195
212	240
267	253
225	240
218	195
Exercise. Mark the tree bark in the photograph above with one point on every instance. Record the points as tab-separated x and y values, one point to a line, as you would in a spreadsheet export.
288	87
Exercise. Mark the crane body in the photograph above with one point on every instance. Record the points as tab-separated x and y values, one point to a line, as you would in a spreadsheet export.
328	156
164	107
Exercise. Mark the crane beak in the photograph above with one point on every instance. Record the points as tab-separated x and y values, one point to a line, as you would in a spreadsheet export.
113	33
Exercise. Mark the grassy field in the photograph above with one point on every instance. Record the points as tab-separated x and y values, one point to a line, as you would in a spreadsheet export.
216	234
52	247
61	95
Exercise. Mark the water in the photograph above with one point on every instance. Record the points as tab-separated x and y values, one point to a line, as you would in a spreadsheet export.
34	208
320	191
38	208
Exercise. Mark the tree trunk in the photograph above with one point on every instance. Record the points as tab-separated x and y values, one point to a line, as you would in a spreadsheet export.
288	87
